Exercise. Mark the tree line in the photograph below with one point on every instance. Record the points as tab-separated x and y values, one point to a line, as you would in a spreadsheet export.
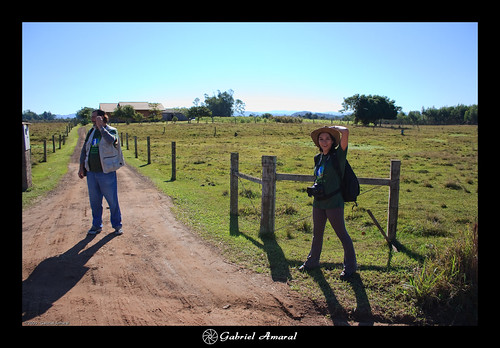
375	109
364	109
29	115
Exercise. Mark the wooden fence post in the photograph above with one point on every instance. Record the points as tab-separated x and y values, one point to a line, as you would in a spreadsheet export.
233	184
392	215
53	143
135	143
149	149
126	139
174	163
268	207
44	150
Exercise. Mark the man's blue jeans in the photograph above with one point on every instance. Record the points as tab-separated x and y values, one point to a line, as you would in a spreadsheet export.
101	184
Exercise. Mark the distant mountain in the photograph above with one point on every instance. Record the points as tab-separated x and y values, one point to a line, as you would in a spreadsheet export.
272	112
66	116
328	114
320	114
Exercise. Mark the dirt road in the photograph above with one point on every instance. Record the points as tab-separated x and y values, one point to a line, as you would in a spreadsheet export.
157	273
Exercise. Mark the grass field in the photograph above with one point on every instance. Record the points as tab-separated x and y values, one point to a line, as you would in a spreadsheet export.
438	208
46	175
40	131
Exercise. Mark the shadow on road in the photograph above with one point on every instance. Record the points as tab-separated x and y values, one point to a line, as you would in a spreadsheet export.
55	276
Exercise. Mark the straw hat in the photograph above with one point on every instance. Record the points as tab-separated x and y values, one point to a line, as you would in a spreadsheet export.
334	132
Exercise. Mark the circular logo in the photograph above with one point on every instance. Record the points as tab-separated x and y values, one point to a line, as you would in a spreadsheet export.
210	336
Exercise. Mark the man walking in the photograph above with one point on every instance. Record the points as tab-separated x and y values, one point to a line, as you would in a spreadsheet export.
100	158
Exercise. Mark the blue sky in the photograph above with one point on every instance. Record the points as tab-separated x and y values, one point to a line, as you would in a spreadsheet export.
270	66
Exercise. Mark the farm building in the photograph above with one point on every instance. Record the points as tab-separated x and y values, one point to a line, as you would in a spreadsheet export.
144	108
168	114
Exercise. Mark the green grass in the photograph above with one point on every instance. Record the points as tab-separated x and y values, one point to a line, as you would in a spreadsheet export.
46	175
40	131
438	204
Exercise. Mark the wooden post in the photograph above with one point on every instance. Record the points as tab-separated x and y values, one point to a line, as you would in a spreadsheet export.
381	230
53	143
121	138
135	144
60	141
45	150
268	206
174	162
149	150
392	215
233	184
26	161
126	139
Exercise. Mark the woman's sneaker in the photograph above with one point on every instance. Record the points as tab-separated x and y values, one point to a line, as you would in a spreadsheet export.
94	230
118	231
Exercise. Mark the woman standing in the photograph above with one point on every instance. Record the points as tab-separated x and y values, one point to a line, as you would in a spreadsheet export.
328	201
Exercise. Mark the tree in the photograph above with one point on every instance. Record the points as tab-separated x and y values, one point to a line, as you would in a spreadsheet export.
29	115
84	115
371	108
414	116
222	104
470	116
126	113
198	111
155	113
239	107
430	115
47	116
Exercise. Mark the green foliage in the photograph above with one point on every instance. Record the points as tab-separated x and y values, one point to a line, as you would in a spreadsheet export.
127	113
470	116
220	104
155	113
371	108
198	111
29	115
459	114
84	115
447	281
287	119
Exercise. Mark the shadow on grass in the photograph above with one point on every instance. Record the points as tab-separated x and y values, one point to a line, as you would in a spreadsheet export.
402	249
337	313
278	263
280	271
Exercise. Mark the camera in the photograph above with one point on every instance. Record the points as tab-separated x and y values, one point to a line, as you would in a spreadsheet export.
316	190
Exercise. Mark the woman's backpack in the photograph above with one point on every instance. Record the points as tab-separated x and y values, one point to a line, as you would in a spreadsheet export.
349	182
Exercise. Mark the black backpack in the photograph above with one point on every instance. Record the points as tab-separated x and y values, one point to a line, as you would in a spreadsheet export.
349	186
349	182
